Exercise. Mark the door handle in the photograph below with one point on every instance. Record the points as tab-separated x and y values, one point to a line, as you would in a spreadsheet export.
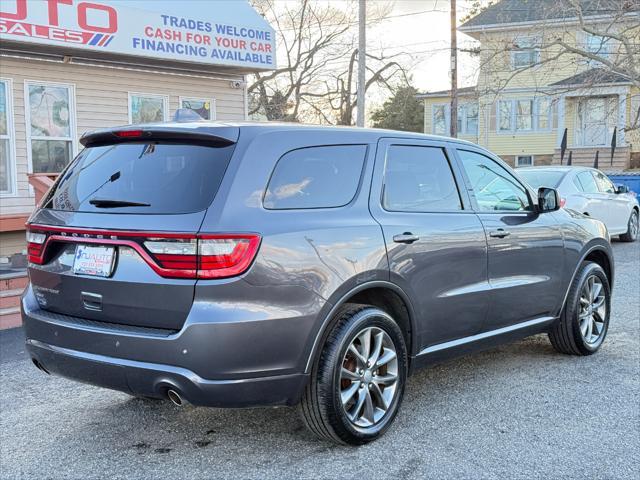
499	233
406	237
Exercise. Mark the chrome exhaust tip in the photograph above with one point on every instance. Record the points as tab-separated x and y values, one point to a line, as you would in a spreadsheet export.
39	366
175	398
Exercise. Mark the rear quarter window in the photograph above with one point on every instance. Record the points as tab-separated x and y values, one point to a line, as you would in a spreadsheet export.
316	177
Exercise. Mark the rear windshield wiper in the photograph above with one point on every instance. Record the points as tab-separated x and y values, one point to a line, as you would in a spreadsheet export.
108	203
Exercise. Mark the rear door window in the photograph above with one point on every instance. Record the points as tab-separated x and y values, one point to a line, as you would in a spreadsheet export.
419	179
588	182
316	177
161	178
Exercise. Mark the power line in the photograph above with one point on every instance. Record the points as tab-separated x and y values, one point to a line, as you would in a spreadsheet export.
372	22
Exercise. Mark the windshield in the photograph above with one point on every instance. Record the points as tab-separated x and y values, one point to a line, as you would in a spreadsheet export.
542	178
152	178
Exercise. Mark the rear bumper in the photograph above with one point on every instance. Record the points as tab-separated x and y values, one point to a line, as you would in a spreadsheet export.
154	380
209	363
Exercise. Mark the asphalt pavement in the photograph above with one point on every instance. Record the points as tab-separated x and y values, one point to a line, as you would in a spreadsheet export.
518	411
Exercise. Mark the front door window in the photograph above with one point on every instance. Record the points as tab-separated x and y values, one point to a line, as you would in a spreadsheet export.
494	188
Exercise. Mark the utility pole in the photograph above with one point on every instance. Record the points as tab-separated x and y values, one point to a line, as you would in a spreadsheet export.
362	54
453	116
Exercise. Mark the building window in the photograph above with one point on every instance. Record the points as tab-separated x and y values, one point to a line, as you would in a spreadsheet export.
51	126
526	53
597	45
543	114
205	107
504	115
467	119
440	119
471	119
524	161
524	115
147	108
7	156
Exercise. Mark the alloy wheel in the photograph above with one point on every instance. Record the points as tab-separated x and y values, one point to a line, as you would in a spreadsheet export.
369	377
593	310
633	226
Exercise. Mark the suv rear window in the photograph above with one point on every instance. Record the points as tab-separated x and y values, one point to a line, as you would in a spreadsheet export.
163	178
316	177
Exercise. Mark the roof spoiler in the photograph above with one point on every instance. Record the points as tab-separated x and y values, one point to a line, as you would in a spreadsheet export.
208	136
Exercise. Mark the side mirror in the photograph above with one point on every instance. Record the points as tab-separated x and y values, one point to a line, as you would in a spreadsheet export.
622	188
548	200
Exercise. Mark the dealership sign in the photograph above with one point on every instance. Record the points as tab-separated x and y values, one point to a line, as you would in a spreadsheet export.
221	32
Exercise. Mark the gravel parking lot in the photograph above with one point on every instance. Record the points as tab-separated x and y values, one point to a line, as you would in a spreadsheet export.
518	411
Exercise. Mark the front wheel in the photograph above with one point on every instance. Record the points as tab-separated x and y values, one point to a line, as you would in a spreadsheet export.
584	321
357	385
632	228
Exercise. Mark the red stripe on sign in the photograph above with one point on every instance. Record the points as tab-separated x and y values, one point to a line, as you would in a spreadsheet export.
104	40
86	37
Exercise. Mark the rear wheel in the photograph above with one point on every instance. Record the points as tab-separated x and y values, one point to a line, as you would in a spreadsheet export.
357	385
632	228
584	322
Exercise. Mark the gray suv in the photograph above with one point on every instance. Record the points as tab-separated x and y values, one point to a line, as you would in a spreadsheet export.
238	265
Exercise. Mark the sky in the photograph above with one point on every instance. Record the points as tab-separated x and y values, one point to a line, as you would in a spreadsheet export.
421	28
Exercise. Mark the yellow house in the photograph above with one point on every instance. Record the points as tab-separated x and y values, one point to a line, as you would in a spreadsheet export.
546	74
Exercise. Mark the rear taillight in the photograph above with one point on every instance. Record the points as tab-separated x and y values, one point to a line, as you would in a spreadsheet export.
208	256
170	255
35	244
174	254
226	256
563	201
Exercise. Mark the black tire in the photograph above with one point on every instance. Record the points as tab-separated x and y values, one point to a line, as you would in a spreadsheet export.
632	228
321	407
565	334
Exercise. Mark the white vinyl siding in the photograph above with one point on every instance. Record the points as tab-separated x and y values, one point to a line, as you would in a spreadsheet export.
101	101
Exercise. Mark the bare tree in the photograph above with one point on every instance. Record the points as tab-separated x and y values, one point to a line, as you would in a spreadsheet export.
337	102
317	51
